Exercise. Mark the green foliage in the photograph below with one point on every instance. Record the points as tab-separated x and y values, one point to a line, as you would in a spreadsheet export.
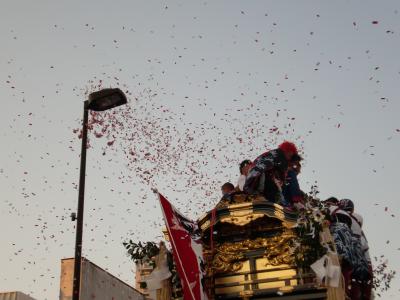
308	247
141	251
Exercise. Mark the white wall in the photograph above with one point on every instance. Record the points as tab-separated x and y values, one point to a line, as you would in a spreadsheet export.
96	283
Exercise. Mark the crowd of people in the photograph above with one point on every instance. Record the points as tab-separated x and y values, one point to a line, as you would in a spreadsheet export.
274	175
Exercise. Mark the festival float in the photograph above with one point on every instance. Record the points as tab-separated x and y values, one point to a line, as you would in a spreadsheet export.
245	248
256	249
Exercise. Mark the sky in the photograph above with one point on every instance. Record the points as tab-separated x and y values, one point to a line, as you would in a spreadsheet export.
209	83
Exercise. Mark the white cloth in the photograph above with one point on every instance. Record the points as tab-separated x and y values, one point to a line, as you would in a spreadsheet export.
326	271
241	182
154	280
356	225
158	275
336	210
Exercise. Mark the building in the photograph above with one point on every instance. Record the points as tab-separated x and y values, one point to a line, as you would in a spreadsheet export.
14	296
142	271
96	283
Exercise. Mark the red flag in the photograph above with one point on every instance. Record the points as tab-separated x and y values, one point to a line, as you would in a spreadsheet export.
185	238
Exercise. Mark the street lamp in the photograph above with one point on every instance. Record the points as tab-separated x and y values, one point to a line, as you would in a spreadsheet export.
98	101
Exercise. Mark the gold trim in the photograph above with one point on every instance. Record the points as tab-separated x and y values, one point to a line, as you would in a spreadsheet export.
243	213
229	257
241	218
205	225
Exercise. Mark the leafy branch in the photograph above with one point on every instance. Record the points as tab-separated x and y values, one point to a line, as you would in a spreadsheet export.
141	251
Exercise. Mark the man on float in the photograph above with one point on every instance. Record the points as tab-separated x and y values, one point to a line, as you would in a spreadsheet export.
294	196
268	172
364	286
244	169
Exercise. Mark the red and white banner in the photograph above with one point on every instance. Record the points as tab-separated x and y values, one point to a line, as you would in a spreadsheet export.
185	238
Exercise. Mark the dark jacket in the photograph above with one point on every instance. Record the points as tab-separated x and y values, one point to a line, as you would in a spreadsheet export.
266	167
291	189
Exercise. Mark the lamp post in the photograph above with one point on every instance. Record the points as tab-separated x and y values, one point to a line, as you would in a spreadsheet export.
98	101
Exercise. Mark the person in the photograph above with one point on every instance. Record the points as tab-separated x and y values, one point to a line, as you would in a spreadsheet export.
292	194
347	245
342	237
244	169
363	287
268	172
227	188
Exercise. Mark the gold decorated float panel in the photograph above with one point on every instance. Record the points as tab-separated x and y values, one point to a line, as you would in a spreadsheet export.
248	248
246	209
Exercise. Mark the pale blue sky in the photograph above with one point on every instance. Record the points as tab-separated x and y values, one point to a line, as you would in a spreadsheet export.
323	63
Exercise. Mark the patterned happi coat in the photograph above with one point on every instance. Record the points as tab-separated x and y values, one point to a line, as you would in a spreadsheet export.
267	175
349	248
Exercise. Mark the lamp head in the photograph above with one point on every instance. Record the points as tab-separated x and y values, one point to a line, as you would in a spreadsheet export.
106	99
